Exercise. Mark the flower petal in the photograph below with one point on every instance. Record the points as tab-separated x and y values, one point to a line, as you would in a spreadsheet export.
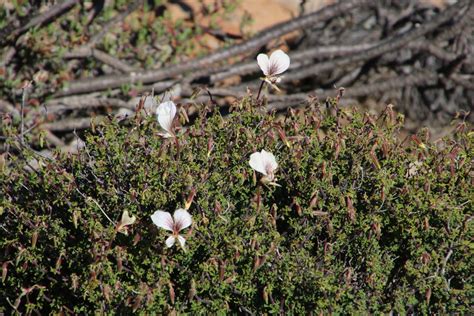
269	159
124	222
170	241
150	104
166	112
165	135
163	220
256	163
263	63
182	219
181	240
127	219
279	62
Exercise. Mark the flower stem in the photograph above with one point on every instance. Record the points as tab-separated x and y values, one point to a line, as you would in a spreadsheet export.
260	89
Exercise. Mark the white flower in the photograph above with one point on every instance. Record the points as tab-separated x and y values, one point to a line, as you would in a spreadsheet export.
166	112
181	219
265	163
125	221
273	66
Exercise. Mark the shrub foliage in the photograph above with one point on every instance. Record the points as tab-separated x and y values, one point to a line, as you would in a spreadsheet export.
362	222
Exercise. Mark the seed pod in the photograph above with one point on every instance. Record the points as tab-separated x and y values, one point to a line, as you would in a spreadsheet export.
256	263
221	270
427	187
273	214
371	279
428	295
119	263
190	198
217	207
348	276
106	291
34	239
283	138
373	155
5	270
210	146
137	303
314	199
351	213
192	290
425	258
297	207
171	293
59	262
330	228
385	149
136	239
323	169
337	149
376	229
265	295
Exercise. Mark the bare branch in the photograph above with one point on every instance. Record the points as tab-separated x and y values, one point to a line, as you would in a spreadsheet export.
80	103
298	56
101	56
71	124
388	45
107	82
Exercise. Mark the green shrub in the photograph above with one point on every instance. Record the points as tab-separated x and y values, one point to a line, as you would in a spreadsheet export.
362	222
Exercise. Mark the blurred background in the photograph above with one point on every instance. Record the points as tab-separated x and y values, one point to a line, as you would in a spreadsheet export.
65	63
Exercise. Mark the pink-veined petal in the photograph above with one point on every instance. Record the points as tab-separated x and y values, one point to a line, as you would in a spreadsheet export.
166	112
163	220
182	219
170	241
256	163
263	63
269	160
279	62
181	240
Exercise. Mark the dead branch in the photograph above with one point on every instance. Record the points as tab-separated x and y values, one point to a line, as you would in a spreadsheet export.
298	56
101	56
390	44
71	124
53	139
107	82
81	103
